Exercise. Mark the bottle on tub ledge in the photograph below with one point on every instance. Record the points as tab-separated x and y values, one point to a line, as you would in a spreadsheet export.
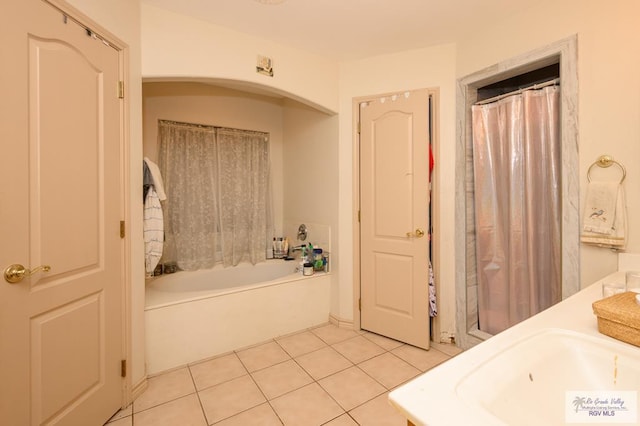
318	264
325	261
280	247
307	269
303	258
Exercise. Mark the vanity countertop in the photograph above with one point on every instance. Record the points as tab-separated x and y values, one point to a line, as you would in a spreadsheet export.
432	399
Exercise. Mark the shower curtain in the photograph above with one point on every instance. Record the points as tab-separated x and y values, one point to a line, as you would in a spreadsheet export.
516	161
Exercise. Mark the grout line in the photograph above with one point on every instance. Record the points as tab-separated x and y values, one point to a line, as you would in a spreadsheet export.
275	412
204	413
163	403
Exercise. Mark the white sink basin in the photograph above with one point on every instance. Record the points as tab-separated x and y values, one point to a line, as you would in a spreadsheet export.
526	383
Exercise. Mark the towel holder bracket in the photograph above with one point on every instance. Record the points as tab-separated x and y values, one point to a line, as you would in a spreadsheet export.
605	161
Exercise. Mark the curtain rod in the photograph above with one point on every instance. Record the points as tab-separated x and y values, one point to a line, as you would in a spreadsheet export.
210	127
183	123
537	86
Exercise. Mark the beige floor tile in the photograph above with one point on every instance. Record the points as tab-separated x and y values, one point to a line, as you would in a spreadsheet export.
351	387
378	412
262	415
125	421
307	406
230	398
358	349
383	342
281	378
217	370
164	388
262	356
301	343
185	411
447	348
389	370
343	420
333	334
323	362
419	358
122	413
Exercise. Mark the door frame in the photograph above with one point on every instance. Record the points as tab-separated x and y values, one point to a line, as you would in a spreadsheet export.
125	209
435	213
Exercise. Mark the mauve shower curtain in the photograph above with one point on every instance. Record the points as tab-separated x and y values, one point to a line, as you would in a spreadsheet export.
516	161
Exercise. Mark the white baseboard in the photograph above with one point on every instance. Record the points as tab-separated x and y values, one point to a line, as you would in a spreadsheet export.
139	388
342	323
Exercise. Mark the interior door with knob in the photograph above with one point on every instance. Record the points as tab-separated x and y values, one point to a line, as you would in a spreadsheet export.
61	329
394	216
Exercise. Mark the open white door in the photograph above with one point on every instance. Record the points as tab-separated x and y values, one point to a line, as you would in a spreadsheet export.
61	341
394	217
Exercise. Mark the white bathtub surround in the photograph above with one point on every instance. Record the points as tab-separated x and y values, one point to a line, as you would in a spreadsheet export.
441	396
317	234
188	319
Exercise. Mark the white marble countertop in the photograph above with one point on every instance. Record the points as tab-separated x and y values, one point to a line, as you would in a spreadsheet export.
431	398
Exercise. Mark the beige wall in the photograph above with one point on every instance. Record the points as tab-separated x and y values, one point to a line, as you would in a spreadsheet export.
310	158
609	88
177	46
122	18
310	179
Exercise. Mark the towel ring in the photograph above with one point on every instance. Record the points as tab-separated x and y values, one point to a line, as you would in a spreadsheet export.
606	161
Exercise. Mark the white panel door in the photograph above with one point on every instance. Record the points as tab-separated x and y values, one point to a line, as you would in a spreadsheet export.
61	339
394	203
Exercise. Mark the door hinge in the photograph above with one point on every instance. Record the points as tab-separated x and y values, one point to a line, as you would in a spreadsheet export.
359	128
123	368
359	304
122	229
358	216
121	89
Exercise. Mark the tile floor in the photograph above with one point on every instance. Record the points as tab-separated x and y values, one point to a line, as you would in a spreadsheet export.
321	376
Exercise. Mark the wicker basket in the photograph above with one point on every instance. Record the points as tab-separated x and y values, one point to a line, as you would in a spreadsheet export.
619	317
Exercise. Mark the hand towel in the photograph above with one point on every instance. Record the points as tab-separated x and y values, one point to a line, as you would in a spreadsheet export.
600	207
153	231
612	232
157	178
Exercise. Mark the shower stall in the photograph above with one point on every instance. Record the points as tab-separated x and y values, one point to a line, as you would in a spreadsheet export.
480	263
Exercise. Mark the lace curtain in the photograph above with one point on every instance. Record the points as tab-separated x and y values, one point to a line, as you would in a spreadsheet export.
516	159
218	206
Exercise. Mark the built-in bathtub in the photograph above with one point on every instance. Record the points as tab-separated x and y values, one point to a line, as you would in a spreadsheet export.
190	316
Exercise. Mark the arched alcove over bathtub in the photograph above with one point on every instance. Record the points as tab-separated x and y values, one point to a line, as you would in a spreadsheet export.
303	154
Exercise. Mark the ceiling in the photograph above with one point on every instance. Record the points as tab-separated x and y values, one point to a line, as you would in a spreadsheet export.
351	29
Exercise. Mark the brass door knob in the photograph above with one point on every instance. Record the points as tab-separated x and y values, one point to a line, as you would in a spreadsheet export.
418	233
16	272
